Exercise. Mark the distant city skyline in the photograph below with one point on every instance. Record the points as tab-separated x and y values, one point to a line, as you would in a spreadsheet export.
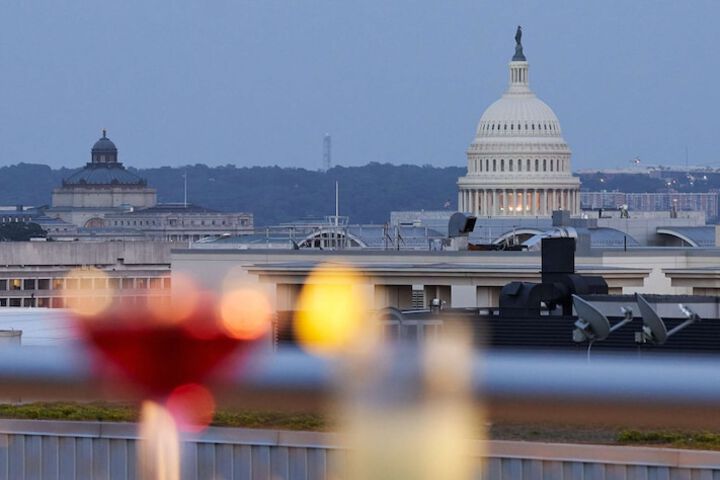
261	83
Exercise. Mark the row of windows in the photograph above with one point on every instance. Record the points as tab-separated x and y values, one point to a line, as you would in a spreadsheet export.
84	283
491	127
172	221
62	302
14	219
487	165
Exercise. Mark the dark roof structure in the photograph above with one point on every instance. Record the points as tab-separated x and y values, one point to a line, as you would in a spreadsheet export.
104	169
172	208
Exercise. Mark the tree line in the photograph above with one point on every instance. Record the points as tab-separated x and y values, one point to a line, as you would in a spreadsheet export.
273	194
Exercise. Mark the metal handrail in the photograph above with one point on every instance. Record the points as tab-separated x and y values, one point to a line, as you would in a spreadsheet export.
515	386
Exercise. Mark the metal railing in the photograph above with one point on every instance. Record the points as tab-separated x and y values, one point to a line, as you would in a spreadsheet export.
673	391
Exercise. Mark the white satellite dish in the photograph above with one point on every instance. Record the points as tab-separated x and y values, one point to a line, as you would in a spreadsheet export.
592	325
654	330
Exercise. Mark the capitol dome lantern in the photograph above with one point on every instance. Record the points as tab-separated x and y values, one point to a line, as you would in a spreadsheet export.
518	162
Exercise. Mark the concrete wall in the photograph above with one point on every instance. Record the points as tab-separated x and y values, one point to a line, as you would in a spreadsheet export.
476	281
32	449
659	259
27	254
113	196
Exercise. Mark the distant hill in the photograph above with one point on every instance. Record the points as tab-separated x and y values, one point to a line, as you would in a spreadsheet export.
367	194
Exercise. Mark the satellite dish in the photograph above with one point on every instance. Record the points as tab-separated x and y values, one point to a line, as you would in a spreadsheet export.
654	330
592	325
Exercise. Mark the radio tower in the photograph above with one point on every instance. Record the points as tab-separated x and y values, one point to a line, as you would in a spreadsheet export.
327	152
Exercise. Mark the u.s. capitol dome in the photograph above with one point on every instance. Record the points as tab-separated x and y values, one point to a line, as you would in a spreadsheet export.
518	162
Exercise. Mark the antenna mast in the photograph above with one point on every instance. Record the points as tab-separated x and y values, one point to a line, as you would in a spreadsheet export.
185	181
327	152
337	203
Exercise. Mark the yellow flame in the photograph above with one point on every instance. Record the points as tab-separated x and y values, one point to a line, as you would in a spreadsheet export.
87	291
245	313
331	310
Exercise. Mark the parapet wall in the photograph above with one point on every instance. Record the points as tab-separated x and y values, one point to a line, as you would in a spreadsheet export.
83	253
56	449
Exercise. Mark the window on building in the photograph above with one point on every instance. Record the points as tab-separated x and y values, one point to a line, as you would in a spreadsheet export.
71	283
86	283
510	165
58	283
43	284
544	165
113	283
15	302
3	284
141	283
167	282
494	165
15	284
3	302
127	283
537	165
528	165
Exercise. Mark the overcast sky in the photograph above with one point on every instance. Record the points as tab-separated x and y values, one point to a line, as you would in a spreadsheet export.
260	82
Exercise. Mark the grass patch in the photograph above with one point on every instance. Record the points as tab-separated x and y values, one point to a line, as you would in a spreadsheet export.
70	411
678	439
112	412
107	412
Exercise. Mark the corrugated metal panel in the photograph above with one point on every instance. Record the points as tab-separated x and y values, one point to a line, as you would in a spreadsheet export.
67	450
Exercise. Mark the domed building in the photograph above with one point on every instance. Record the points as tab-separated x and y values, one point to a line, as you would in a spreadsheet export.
518	163
102	187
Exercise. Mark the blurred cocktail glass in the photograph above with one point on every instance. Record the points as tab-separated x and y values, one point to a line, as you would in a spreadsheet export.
166	347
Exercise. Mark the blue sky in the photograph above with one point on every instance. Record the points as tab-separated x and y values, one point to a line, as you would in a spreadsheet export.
260	82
